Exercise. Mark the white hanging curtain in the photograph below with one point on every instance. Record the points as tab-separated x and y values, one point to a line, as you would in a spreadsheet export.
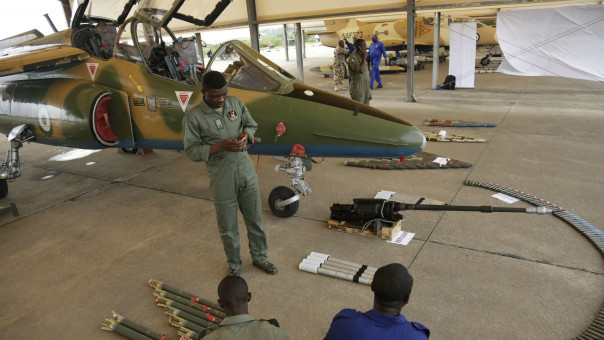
563	42
462	53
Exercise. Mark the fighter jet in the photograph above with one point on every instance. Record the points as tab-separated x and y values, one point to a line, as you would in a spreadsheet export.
127	83
393	34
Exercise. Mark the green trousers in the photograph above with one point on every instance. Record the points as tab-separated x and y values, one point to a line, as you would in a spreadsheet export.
234	185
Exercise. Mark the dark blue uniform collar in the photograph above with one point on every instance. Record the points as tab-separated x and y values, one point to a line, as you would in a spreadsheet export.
385	319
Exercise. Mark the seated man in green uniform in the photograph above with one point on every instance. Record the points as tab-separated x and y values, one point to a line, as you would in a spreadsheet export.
233	297
217	132
359	73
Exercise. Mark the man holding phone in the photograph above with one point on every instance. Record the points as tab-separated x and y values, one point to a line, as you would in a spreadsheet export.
217	132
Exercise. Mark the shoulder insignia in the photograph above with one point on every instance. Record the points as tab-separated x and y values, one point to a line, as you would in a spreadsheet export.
420	327
347	314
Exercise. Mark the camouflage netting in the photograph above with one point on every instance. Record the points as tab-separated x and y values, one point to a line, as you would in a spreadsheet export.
420	160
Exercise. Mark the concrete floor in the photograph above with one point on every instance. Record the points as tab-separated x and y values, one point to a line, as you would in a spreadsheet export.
94	230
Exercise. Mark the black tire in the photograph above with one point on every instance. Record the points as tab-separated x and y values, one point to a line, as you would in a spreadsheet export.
3	188
280	194
129	150
485	61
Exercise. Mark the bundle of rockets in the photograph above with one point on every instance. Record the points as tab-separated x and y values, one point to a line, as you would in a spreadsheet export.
195	317
323	264
192	315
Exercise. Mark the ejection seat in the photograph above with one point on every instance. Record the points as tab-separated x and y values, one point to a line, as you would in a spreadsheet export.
107	32
185	57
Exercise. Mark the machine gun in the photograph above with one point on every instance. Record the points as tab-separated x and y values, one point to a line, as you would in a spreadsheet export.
383	212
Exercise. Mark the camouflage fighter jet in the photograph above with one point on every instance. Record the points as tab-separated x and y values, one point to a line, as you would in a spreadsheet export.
107	83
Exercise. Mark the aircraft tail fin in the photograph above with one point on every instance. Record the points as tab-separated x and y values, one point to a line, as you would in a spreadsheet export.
20	38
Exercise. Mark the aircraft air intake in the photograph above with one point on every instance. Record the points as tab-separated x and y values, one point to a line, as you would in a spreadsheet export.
100	122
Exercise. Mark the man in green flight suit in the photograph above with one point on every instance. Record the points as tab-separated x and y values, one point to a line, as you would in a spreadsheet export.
234	297
359	73
217	132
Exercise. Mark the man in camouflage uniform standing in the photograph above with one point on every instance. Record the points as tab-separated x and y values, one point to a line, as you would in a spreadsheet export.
339	65
359	73
217	132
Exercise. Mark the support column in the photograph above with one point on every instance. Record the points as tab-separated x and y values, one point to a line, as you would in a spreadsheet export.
252	22
410	49
435	48
299	44
200	48
285	42
304	43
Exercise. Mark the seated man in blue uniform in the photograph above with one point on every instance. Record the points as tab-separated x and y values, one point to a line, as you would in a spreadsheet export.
391	288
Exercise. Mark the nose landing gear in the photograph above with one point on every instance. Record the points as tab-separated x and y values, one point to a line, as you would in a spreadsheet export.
283	201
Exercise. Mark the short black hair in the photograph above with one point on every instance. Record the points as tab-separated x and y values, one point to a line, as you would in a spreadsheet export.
392	282
357	44
232	290
213	80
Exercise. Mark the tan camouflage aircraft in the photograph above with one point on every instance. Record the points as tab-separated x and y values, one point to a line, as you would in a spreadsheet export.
393	34
127	83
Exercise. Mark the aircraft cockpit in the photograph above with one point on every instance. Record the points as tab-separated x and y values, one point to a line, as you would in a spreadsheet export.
160	51
95	36
243	71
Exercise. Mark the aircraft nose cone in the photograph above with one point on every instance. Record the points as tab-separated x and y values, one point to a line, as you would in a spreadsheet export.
416	140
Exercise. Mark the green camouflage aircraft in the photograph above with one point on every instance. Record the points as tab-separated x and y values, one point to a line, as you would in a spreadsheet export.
107	83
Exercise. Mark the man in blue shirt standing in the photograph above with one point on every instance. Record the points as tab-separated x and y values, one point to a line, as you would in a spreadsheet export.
391	288
376	50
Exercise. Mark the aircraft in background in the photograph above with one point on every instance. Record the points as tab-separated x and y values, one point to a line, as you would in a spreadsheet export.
106	83
393	34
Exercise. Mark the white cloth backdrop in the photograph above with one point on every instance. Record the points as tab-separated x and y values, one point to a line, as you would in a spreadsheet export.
462	53
564	42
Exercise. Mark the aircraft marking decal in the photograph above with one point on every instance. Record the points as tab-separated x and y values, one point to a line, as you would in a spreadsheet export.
423	29
44	122
164	103
138	86
183	98
92	68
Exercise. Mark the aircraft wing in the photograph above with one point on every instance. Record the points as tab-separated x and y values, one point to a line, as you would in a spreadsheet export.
41	58
319	32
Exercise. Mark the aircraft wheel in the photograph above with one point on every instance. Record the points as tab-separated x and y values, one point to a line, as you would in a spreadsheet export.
280	194
129	150
485	61
4	188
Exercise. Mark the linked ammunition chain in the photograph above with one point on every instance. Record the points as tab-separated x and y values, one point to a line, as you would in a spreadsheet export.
594	331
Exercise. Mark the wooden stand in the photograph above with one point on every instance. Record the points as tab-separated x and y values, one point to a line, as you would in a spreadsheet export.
386	233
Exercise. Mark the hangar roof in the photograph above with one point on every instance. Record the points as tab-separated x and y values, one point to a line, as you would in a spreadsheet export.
311	11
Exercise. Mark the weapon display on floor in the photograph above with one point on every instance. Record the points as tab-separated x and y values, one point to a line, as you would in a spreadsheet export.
160	285
455	123
193	316
324	264
380	211
130	329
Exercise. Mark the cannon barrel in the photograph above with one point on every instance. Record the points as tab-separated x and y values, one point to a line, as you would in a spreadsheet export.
367	209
